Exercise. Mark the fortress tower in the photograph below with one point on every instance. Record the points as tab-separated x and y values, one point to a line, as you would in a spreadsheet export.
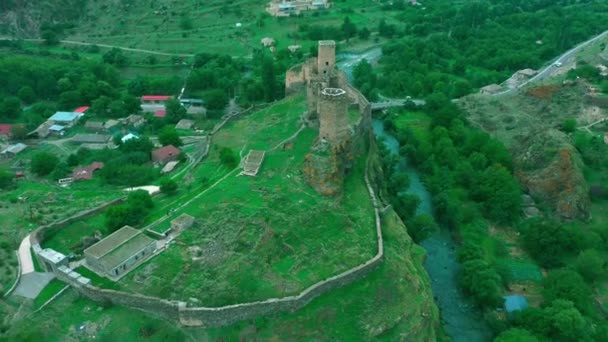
326	59
333	115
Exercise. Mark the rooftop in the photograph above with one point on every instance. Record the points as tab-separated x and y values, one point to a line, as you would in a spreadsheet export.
127	249
81	109
56	128
14	149
91	138
5	129
166	152
326	42
86	172
65	116
112	242
160	113
155	97
52	255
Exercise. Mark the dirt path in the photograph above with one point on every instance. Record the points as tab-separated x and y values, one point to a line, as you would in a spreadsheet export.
25	257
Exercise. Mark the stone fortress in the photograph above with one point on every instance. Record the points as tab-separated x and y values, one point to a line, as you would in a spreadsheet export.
329	97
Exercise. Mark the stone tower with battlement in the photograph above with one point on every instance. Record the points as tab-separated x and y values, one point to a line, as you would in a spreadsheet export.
326	57
333	115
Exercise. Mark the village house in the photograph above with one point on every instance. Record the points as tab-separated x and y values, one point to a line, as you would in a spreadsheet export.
161	113
57	130
128	137
67	119
165	154
184	124
134	121
86	172
81	110
5	131
91	138
490	89
283	8
42	131
193	106
118	253
111	124
94	126
13	150
267	42
153	103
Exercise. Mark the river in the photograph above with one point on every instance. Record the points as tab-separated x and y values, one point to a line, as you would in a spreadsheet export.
461	320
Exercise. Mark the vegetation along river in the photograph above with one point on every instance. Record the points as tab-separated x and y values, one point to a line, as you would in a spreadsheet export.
462	321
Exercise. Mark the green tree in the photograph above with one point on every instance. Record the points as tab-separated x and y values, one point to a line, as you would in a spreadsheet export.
516	335
216	99
43	163
168	186
547	241
10	108
481	281
268	79
421	227
569	125
364	33
590	264
169	136
116	57
185	23
349	29
228	157
568	285
6	179
26	94
406	205
499	193
175	111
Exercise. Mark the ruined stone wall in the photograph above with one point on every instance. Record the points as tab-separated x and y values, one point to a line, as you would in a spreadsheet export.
298	76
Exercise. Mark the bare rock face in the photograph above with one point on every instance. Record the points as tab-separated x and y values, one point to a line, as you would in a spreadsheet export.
324	172
551	170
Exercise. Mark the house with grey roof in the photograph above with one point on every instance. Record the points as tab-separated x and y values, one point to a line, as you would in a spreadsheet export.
120	252
13	150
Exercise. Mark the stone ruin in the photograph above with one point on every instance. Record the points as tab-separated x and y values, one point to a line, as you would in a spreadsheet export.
328	102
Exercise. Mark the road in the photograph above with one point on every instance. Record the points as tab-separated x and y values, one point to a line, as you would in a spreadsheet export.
563	59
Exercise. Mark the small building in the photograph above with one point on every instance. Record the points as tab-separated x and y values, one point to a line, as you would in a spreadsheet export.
118	253
184	124
82	109
134	120
183	221
169	166
67	119
5	131
94	126
128	137
86	172
13	150
165	154
155	99
42	131
161	113
91	138
491	89
57	130
294	48
52	259
267	42
111	124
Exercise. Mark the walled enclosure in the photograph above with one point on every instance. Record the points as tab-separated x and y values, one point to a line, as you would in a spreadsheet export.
226	315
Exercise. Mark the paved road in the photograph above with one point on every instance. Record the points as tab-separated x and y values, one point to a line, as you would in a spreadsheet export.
25	257
563	59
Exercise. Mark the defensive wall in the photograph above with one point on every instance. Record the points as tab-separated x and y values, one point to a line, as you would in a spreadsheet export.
179	312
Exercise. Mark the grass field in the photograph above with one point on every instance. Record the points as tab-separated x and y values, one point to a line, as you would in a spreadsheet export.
369	309
211	26
48	292
266	236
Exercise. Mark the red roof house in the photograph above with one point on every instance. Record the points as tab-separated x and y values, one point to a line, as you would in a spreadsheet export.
165	154
155	98
81	109
5	129
160	113
86	172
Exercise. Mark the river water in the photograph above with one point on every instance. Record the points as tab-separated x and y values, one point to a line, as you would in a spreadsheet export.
461	320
